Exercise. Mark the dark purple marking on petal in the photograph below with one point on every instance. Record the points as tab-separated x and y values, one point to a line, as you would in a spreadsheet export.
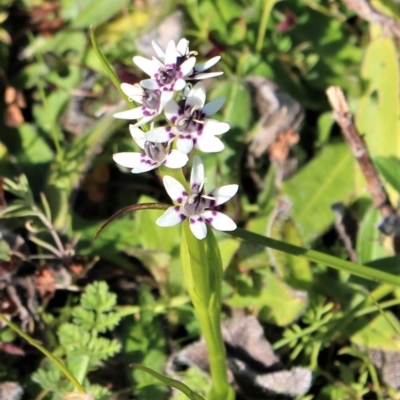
184	193
214	213
142	155
182	216
208	220
212	203
179	200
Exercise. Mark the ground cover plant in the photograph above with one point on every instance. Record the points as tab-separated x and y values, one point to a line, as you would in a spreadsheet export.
199	199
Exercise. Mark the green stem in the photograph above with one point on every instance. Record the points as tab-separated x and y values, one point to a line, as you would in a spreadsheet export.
210	324
202	267
84	362
320	258
47	353
268	5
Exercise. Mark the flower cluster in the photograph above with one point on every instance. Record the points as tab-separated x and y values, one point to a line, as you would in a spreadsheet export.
188	127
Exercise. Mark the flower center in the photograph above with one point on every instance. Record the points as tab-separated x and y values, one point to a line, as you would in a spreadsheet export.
196	204
151	99
190	120
156	151
167	75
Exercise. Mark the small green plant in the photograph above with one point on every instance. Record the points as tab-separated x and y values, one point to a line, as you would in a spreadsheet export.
80	345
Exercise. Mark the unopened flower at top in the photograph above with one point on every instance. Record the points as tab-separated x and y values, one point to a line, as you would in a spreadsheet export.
182	49
166	76
149	100
191	123
197	206
155	154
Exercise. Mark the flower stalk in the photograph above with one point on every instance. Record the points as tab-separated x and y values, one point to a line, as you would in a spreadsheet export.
202	269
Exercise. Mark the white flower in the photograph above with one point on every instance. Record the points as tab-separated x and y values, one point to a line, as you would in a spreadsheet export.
191	123
167	76
155	154
183	51
196	206
150	100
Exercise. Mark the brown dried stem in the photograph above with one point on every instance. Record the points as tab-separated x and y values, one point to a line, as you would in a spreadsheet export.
367	12
359	149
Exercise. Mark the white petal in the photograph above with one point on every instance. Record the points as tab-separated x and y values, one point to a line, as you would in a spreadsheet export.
161	134
145	120
134	92
214	106
223	194
187	66
150	84
146	165
165	97
197	174
175	159
171	110
185	143
170	53
208	64
206	75
183	47
127	159
136	133
159	50
215	127
219	221
148	66
198	227
138	162
197	96
209	144
175	189
172	216
136	113
179	84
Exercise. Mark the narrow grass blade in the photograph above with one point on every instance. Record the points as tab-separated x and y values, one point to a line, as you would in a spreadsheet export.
170	382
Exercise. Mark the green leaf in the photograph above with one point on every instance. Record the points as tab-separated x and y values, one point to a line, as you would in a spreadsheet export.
369	244
152	236
389	167
88	12
325	180
48	377
143	340
297	272
380	333
98	297
4	250
260	293
378	111
85	318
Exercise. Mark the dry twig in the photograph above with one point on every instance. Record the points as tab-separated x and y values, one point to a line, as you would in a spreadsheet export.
367	12
359	149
